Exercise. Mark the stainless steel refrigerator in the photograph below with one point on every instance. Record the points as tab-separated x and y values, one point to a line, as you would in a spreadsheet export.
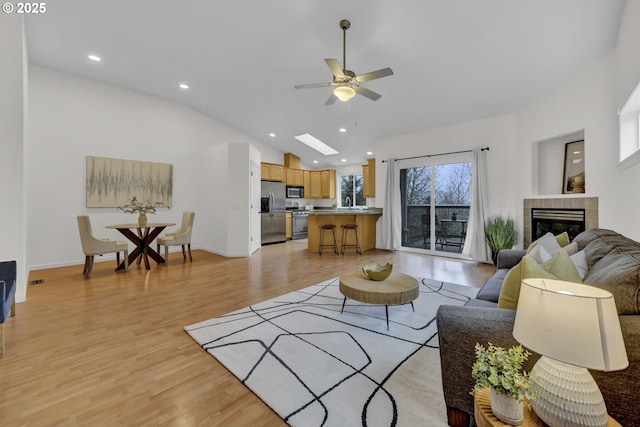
272	212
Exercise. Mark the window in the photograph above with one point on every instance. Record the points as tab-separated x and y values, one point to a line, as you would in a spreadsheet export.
351	194
435	198
629	122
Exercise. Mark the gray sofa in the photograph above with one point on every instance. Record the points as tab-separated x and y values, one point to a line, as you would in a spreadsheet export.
614	264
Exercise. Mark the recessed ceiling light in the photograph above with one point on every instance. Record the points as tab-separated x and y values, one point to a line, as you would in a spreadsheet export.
184	86
369	153
94	58
315	161
343	130
272	135
316	144
343	160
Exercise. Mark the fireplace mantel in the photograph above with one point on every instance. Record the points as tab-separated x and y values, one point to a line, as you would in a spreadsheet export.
589	204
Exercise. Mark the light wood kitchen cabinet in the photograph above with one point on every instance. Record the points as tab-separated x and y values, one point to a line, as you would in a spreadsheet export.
307	183
369	178
294	176
328	184
291	161
289	226
315	185
271	172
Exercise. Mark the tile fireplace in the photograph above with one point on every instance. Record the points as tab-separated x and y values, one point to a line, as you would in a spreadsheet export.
556	215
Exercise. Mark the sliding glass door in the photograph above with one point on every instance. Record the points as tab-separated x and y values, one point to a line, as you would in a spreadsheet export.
435	197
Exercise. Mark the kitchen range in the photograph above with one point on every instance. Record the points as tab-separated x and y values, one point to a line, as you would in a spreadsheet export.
299	221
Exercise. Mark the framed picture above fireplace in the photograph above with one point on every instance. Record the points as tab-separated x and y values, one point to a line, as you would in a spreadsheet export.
573	179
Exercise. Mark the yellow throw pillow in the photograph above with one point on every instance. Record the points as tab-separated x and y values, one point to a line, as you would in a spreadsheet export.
559	267
562	239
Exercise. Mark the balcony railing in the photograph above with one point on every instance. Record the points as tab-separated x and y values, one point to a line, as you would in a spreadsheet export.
449	234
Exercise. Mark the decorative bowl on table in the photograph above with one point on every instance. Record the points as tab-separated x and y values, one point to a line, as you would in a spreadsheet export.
375	271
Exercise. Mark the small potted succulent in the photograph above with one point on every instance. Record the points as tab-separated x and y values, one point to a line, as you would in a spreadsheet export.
501	370
141	208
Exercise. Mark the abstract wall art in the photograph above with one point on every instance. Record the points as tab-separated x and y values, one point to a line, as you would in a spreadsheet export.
113	182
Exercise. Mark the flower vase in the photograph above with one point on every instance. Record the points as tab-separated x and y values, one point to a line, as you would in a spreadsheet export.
506	408
142	220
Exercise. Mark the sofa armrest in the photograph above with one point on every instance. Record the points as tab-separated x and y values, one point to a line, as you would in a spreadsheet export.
508	258
458	333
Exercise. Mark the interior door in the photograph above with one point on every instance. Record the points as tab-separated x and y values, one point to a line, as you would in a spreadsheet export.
255	233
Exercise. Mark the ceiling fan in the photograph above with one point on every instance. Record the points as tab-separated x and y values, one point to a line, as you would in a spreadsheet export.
346	82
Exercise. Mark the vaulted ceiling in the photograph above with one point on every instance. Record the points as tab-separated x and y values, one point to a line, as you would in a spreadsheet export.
453	61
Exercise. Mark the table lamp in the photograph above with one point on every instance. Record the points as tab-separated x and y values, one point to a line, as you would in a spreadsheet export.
574	327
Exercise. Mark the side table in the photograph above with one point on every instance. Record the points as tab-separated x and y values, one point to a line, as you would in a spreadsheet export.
485	418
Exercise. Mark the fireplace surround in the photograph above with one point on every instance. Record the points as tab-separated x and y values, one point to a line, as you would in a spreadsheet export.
571	214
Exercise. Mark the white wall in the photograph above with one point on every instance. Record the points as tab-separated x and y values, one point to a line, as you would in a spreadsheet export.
498	133
590	101
12	135
71	118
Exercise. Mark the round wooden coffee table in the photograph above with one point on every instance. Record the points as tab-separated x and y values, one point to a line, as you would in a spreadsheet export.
396	289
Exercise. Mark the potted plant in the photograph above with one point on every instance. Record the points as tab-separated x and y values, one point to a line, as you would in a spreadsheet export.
501	233
501	370
454	215
141	208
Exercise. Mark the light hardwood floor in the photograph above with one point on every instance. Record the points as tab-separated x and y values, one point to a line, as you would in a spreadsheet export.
111	350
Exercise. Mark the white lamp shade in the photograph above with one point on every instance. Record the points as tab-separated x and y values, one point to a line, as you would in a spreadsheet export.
570	322
344	93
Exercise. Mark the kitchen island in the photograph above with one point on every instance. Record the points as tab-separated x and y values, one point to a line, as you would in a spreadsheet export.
364	218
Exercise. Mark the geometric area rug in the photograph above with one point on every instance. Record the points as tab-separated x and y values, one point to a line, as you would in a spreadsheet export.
315	366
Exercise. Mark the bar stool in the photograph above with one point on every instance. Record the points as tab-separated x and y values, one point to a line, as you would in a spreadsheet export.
324	228
345	229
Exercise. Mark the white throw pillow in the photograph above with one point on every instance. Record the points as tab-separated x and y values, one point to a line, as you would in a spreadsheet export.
570	249
580	261
547	245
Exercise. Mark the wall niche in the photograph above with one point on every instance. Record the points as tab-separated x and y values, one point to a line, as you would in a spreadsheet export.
549	160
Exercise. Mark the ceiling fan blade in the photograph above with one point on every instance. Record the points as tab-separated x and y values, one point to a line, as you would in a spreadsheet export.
314	85
331	99
334	66
367	93
383	72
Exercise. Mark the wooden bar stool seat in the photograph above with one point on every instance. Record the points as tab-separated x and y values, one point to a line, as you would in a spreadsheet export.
345	230
334	245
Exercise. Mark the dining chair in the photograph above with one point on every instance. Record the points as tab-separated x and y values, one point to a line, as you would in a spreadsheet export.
8	272
180	237
92	246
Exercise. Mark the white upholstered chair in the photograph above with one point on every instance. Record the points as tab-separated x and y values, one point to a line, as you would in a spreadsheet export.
179	237
92	246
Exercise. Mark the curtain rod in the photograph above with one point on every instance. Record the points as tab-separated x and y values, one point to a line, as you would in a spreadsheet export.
435	155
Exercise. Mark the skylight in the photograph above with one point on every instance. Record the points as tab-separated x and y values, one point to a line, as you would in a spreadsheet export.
316	144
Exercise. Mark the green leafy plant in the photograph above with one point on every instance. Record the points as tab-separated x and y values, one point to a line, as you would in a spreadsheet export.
139	207
502	369
501	233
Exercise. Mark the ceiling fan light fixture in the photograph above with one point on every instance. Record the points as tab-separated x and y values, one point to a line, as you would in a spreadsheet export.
344	93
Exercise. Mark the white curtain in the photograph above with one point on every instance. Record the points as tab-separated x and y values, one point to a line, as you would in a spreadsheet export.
391	215
475	246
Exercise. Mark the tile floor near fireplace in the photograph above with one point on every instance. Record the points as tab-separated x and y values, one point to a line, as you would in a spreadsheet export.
564	207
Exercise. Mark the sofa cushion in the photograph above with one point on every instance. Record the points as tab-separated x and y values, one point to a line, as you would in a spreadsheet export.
559	267
619	273
491	289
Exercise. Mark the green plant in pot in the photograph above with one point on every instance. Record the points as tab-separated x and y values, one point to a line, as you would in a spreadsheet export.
501	370
501	233
141	208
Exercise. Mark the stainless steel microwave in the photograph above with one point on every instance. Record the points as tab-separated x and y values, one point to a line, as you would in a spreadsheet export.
295	192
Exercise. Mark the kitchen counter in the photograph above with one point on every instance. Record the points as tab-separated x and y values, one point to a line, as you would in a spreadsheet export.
346	211
364	218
